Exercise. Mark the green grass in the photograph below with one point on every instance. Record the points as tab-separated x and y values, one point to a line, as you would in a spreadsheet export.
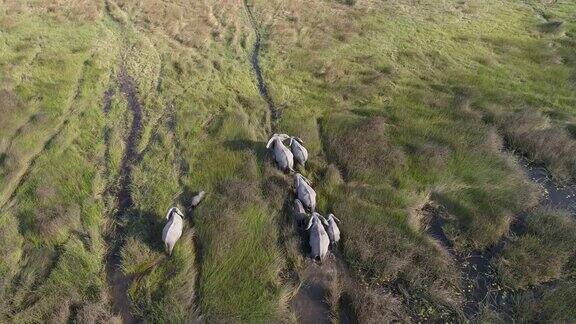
207	122
400	104
406	93
544	253
52	259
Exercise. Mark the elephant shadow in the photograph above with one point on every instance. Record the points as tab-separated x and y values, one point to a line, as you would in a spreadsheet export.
147	227
259	148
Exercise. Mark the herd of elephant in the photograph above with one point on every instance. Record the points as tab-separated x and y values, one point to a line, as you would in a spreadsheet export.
320	237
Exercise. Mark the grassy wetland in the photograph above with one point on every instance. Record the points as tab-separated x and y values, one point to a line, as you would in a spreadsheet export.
441	133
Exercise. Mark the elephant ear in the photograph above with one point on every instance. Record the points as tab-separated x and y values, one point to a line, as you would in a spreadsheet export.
271	141
309	223
298	204
179	212
170	212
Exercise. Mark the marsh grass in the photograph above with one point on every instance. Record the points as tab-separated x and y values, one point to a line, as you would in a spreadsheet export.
400	103
534	135
545	252
401	95
54	270
550	304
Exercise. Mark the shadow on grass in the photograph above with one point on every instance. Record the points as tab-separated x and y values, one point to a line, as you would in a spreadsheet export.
147	227
258	148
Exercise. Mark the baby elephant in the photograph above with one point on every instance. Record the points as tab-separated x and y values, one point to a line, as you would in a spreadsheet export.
319	240
299	213
298	150
197	199
333	230
173	229
304	192
282	154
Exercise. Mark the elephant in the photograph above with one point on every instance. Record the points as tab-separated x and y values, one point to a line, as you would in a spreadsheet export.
304	192
319	240
282	155
197	199
173	229
299	152
299	213
333	230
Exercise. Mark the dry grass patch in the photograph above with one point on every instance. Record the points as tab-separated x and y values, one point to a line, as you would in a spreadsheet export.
553	304
193	24
534	135
376	305
361	147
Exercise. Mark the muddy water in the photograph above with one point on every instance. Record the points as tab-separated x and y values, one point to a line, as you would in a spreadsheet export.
555	195
117	281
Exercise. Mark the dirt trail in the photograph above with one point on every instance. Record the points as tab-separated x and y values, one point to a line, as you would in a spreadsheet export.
117	281
310	304
313	302
255	60
108	94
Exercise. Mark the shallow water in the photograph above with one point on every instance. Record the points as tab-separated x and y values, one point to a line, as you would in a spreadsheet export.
555	195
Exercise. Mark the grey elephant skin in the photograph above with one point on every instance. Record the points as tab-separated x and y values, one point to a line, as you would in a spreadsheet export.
173	229
304	192
282	155
332	229
319	240
299	152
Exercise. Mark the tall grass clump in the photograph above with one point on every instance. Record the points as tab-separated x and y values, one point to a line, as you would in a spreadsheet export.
533	134
547	304
545	252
